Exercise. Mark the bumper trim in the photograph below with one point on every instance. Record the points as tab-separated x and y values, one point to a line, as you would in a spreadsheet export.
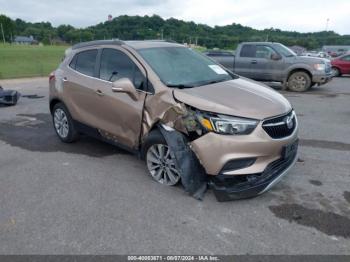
278	178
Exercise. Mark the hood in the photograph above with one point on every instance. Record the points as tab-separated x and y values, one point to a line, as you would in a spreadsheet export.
239	97
310	60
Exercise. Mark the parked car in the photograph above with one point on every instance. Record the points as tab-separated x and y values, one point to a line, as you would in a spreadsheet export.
317	54
180	111
341	65
264	61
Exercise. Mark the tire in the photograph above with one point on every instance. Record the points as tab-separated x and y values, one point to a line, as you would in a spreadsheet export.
160	161
299	82
63	124
336	72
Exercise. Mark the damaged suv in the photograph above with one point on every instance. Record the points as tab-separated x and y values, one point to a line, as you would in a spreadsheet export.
189	118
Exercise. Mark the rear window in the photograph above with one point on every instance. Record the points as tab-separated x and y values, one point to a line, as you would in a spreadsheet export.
84	62
248	51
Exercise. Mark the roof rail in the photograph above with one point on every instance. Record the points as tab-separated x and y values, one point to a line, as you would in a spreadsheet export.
98	42
154	40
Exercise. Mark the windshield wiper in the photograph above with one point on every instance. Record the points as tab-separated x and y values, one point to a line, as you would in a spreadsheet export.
180	86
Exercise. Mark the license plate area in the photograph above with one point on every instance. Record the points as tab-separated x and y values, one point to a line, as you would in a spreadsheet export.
290	149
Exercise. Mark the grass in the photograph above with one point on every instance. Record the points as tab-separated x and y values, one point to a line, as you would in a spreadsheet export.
28	61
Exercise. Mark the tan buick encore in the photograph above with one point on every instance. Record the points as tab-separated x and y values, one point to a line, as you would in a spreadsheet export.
190	118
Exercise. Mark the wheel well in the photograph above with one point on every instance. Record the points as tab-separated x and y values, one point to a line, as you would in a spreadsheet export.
53	102
336	67
300	70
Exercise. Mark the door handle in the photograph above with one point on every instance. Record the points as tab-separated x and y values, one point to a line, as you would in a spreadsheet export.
254	62
99	92
117	89
64	79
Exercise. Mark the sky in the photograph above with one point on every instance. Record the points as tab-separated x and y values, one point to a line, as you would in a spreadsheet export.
291	15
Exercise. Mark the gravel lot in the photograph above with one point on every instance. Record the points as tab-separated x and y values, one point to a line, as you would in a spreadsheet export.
92	198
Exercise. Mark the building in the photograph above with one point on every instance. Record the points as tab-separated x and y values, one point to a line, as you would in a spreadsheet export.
24	40
336	49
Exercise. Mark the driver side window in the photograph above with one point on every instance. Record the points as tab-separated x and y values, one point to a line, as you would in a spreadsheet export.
116	65
263	51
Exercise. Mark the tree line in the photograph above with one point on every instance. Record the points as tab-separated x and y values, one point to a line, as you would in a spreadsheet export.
154	27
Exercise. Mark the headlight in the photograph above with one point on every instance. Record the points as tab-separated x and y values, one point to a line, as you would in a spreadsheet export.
228	125
320	67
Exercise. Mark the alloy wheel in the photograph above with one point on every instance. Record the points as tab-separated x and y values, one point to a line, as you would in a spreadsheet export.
161	164
61	123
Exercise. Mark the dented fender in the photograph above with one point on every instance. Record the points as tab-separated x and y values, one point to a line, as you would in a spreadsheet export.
162	108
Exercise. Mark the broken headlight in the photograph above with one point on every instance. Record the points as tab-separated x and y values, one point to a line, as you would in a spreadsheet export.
228	125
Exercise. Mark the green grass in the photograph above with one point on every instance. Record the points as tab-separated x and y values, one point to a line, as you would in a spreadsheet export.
28	61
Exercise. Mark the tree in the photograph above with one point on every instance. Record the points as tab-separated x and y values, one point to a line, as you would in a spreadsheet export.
8	26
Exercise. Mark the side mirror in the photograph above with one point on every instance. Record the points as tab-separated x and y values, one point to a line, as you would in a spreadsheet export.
124	85
275	56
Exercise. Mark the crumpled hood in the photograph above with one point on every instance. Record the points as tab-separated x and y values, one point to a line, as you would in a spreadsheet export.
239	97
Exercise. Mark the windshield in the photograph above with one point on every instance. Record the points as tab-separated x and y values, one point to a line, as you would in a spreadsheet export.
285	51
182	67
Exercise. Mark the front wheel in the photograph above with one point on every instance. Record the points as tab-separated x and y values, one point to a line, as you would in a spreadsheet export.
335	72
160	160
299	82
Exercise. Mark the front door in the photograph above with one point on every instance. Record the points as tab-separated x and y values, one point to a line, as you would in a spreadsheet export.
118	116
264	67
345	64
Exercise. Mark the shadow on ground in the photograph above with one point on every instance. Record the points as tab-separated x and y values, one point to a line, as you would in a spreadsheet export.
36	133
327	222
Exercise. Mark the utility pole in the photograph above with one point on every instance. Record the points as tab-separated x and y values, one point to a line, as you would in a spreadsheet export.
3	35
327	22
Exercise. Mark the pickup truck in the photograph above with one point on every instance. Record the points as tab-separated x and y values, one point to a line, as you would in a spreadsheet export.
274	62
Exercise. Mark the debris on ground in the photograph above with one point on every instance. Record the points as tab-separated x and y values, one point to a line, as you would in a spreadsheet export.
9	97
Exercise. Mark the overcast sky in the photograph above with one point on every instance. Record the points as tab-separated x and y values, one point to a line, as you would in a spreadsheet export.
294	15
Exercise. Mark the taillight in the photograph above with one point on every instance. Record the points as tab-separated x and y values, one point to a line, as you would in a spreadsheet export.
52	76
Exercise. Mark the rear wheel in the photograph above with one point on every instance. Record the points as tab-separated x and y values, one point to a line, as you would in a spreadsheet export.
160	160
299	82
63	124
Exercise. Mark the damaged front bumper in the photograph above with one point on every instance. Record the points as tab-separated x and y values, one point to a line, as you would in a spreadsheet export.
228	187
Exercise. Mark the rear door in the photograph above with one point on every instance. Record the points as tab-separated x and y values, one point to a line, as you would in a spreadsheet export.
79	85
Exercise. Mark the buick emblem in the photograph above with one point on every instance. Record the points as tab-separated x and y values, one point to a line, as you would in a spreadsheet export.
289	122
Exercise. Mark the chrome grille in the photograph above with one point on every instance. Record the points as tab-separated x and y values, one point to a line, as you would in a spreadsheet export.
281	126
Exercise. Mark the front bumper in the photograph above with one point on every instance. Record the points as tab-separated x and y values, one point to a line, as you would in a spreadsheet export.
215	150
227	187
322	79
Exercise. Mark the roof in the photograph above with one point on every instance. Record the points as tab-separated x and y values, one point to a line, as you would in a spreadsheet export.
151	44
133	44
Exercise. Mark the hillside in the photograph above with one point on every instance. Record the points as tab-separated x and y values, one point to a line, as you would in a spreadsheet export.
153	27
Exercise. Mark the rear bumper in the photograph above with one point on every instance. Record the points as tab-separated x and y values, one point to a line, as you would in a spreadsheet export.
322	79
228	187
